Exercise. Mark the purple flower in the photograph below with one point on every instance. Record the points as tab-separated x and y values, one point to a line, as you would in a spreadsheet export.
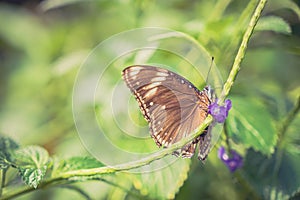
233	161
219	112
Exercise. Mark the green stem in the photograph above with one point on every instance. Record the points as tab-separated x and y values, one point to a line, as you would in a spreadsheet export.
2	176
227	138
287	121
67	176
241	52
12	192
233	73
144	161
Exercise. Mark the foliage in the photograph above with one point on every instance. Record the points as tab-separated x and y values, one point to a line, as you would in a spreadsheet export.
42	48
258	130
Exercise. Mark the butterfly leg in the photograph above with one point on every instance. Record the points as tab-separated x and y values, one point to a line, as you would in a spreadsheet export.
189	149
186	152
176	153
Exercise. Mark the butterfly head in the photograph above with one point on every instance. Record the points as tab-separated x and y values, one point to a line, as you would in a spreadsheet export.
210	93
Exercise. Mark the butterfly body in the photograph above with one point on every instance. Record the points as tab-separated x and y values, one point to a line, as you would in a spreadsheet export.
172	105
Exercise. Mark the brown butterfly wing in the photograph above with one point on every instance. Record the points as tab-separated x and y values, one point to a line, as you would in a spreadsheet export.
204	144
173	106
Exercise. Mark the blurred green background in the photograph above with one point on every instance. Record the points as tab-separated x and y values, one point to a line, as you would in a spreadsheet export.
42	45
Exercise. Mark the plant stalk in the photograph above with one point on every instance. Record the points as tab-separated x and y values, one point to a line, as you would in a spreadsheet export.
242	51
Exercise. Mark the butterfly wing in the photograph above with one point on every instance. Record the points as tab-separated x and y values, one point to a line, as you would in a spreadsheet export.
204	143
172	105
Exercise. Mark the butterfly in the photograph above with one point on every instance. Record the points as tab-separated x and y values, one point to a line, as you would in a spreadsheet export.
172	106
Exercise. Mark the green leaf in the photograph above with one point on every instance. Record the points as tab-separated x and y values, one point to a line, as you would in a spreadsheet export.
273	23
163	183
7	145
280	172
250	123
123	186
281	175
76	163
33	176
32	162
286	4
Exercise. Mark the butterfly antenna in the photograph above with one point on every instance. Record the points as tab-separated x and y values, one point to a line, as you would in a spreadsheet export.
211	64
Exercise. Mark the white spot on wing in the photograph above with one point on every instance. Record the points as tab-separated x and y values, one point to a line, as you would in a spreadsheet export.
162	74
152	85
158	79
151	92
135	71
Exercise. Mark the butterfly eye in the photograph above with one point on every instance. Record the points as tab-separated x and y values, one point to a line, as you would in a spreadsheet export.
172	105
